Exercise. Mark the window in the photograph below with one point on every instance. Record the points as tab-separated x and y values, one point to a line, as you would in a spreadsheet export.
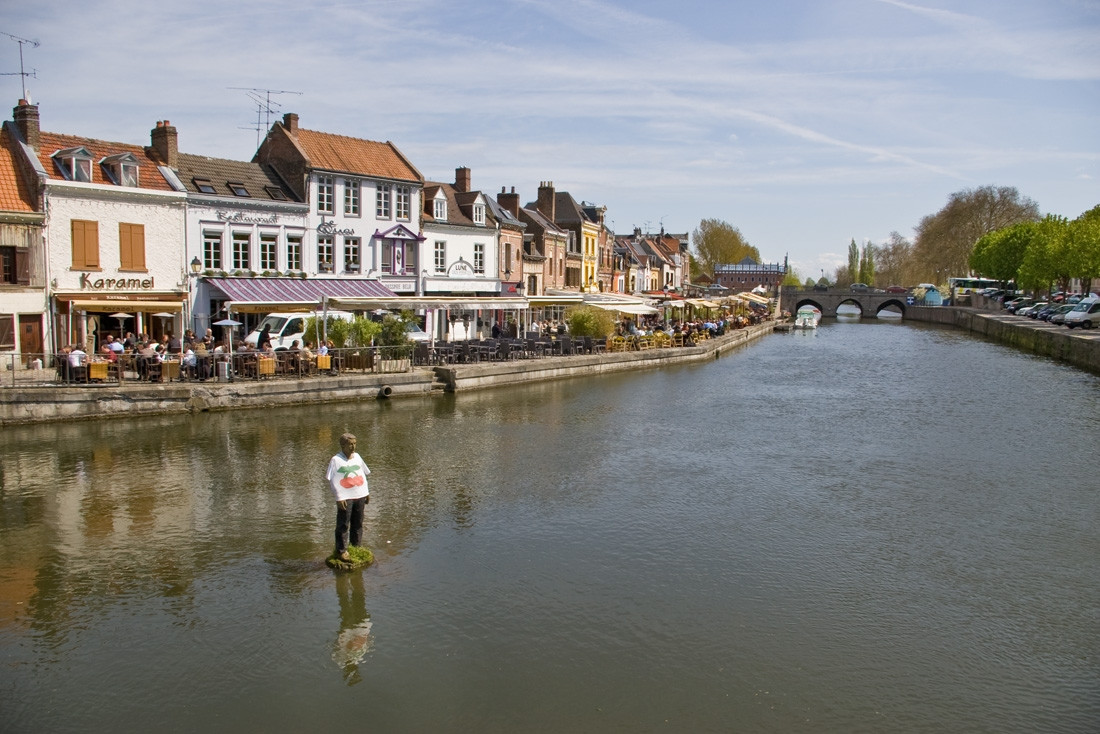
440	212
268	244
324	254
212	250
131	246
122	168
324	194
479	258
75	163
275	193
204	185
351	254
479	214
242	242
382	201
7	331
403	201
294	252
237	188
7	265
351	198
440	257
85	245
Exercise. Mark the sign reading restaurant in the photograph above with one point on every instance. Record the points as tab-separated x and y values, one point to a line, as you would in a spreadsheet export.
242	218
117	284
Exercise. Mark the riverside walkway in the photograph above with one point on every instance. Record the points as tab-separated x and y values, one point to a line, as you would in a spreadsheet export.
48	402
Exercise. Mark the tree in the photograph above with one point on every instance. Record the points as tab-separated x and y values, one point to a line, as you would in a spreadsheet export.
867	264
1000	254
718	243
853	261
1044	261
946	239
808	284
1082	248
792	278
894	261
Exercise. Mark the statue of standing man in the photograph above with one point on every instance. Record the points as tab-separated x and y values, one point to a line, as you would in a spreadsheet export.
347	477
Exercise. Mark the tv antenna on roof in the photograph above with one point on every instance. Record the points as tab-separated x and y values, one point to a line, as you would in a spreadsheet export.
22	73
265	108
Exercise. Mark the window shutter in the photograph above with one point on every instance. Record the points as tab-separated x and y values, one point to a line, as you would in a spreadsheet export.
131	246
23	265
85	237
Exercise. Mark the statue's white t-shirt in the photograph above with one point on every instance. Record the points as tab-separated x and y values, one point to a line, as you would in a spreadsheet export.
347	477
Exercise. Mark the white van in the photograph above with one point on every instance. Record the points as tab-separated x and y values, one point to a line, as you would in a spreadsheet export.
1085	314
285	328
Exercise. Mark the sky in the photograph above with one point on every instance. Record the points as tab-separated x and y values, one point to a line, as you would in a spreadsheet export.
804	123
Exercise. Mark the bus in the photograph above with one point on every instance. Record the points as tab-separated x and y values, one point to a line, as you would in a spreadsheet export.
964	286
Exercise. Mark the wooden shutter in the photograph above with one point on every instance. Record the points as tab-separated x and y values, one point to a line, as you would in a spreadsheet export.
23	265
85	244
131	246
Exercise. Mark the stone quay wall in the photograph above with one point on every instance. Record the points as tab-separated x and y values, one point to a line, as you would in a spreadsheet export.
48	403
1078	347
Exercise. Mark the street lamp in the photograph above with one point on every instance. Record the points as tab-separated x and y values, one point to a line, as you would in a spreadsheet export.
196	265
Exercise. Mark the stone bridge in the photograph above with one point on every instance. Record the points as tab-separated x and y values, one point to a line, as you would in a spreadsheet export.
868	302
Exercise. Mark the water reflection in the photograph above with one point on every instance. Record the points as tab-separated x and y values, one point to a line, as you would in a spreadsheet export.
354	639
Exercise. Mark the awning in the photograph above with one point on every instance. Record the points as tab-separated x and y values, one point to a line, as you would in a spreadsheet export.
702	303
273	294
572	299
752	297
131	306
441	303
632	308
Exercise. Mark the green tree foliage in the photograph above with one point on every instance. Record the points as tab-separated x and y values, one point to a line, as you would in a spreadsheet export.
792	278
590	321
718	243
945	239
1082	248
867	264
842	277
853	262
1000	254
357	332
809	283
1044	258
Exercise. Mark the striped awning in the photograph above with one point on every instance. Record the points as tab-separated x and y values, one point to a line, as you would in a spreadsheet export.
269	293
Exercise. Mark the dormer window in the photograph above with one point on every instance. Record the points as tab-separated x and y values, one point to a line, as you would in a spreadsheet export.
75	163
275	193
440	212
204	185
121	168
479	214
237	188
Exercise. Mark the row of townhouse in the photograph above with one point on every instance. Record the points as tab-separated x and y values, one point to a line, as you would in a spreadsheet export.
100	237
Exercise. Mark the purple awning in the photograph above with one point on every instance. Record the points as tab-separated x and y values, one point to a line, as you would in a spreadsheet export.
272	293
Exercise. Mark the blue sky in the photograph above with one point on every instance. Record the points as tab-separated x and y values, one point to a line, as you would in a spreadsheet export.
804	124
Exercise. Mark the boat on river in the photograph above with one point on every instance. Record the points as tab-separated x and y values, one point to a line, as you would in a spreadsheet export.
807	317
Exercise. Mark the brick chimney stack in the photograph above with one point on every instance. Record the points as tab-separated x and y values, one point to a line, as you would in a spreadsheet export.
290	122
166	143
462	179
547	203
26	121
509	201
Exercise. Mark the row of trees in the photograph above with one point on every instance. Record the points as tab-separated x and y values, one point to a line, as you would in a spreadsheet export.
1043	254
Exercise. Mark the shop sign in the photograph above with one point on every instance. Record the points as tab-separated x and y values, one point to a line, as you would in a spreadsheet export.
242	218
115	284
328	228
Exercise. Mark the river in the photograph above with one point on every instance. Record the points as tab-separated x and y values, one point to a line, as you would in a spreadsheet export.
879	526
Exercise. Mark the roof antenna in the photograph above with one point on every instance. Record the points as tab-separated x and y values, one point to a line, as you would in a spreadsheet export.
22	73
265	109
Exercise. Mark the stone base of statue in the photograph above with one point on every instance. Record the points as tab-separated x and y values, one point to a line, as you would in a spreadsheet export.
360	557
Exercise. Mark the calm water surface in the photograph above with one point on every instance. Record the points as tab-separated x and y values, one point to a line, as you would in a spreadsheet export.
877	527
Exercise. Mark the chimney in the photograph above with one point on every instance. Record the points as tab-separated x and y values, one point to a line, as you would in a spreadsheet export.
166	143
546	202
462	179
26	121
290	122
509	201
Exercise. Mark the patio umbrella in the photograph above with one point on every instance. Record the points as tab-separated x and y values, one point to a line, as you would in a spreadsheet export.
120	316
165	315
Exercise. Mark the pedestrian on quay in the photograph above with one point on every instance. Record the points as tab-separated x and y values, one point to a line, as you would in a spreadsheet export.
347	478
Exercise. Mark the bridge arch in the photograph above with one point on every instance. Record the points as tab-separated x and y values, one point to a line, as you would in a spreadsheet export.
869	303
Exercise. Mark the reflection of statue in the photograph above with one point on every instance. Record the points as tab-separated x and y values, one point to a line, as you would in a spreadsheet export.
354	640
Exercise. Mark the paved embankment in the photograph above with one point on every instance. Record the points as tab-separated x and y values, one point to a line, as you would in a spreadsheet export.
46	403
1077	347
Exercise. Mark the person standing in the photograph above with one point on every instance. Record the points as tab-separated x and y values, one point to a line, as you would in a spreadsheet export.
347	478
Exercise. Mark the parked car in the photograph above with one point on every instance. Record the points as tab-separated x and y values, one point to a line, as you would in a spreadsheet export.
1031	310
1044	313
284	328
1015	305
1085	314
896	289
1059	315
860	287
415	333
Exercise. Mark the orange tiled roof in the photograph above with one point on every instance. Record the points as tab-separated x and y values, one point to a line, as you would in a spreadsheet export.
148	175
355	155
15	194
